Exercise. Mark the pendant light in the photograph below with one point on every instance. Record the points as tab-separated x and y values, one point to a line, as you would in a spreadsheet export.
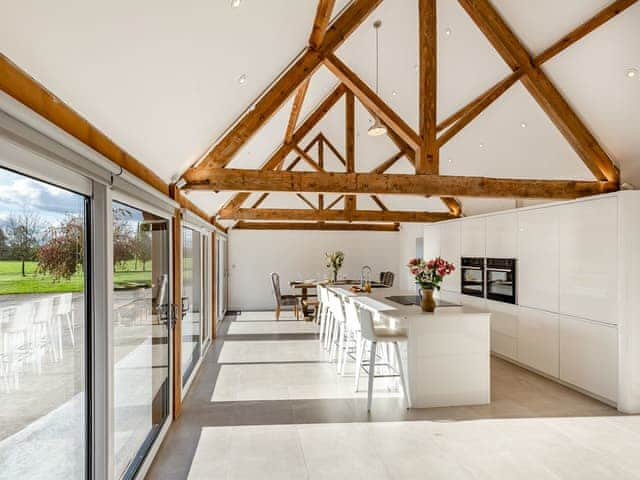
377	128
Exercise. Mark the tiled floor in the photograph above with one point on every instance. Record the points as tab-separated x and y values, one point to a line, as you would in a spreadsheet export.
267	404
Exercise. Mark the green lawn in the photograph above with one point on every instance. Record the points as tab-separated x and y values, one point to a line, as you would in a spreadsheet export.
12	281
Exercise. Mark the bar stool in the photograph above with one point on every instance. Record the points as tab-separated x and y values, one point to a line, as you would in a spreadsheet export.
323	310
379	335
352	336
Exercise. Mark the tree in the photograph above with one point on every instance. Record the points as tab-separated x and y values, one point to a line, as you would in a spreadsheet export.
123	237
142	245
4	246
24	231
64	250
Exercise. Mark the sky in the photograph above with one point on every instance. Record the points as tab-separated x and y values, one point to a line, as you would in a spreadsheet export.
19	193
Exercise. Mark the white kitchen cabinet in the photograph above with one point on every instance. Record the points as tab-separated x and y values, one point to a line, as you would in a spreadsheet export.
475	302
589	356
473	237
504	328
450	251
538	343
452	297
431	239
538	258
588	259
502	236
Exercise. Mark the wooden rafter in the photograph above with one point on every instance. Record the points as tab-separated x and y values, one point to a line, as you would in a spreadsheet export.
300	214
220	179
296	108
453	205
379	202
333	149
321	163
541	88
280	154
427	158
320	23
305	156
335	202
387	164
372	101
368	227
301	197
487	98
226	147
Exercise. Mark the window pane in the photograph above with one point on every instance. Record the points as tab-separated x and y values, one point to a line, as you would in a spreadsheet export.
141	333
43	420
191	300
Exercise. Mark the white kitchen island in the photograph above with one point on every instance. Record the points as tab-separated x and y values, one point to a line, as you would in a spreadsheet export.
447	355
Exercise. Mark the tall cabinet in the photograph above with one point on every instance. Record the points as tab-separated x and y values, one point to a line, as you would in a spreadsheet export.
566	324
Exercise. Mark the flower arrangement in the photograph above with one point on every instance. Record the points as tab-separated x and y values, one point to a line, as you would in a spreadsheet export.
334	261
429	274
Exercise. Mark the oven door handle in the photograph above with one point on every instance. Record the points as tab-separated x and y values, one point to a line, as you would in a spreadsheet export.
508	270
471	268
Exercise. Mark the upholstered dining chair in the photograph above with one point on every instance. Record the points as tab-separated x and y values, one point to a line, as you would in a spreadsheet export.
386	278
283	300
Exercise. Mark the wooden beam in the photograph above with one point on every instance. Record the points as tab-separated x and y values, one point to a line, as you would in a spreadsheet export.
280	154
258	202
332	204
219	179
368	227
387	164
379	202
226	147
587	27
334	150
321	163
372	101
300	214
453	205
323	15
475	108
305	156
601	17
427	160
350	142
19	85
304	199
541	88
295	110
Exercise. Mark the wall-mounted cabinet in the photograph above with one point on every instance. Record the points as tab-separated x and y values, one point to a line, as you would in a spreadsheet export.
538	258
589	356
588	243
473	237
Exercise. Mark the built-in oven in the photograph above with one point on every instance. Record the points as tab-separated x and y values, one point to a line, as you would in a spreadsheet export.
472	276
501	279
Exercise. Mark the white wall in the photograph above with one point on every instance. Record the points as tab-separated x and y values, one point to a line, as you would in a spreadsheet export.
299	255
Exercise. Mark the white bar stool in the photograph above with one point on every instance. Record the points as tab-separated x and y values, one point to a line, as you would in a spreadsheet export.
379	335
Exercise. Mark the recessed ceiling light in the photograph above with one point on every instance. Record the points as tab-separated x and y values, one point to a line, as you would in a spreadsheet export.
242	79
394	93
447	32
481	145
523	125
450	160
236	3
632	72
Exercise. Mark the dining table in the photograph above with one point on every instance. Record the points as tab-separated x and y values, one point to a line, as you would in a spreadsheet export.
305	285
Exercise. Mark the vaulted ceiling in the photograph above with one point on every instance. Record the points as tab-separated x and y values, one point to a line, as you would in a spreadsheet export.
161	79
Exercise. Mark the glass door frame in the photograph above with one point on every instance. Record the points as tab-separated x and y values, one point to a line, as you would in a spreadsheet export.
153	445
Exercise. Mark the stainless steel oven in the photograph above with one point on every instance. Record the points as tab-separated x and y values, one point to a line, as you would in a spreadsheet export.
501	279
472	276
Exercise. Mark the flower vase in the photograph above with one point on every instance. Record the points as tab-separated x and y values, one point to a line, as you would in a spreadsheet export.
428	304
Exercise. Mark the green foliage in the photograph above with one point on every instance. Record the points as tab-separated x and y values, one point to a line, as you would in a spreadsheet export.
63	252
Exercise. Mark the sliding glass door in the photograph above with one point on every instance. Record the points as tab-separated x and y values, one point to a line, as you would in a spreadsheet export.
222	276
141	317
44	272
191	301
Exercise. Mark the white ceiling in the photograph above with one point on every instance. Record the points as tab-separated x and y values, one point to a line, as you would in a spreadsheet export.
160	79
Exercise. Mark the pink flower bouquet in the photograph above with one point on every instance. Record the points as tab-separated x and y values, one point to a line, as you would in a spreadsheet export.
429	274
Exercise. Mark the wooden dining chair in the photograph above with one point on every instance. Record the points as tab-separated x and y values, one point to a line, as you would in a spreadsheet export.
284	300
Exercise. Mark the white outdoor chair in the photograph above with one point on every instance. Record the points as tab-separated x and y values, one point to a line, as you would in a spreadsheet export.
47	329
63	309
19	342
